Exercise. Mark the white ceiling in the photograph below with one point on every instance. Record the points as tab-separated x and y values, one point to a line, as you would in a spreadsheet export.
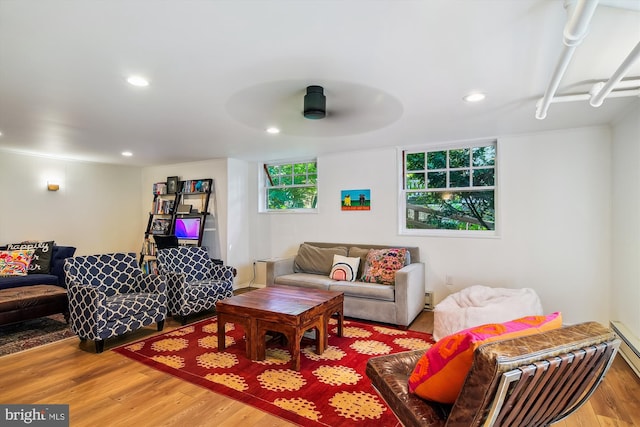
394	73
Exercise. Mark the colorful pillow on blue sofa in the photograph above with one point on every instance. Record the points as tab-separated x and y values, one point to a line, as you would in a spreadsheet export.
15	263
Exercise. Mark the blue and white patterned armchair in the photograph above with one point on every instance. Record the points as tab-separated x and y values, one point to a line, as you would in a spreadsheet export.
109	296
194	282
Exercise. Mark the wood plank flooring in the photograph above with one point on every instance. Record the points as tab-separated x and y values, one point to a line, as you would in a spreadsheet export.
110	389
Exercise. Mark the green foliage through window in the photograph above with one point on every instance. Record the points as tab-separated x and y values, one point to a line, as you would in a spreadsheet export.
451	189
291	186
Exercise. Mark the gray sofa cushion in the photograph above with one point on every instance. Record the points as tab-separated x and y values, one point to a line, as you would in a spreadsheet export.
315	260
365	290
361	253
305	280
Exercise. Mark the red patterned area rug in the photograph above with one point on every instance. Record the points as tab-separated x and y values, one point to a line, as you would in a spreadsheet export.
329	390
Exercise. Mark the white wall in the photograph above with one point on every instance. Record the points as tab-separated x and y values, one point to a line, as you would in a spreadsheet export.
238	210
96	209
625	289
555	221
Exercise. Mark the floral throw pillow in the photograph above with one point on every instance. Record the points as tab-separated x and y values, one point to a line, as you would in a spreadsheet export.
15	263
382	265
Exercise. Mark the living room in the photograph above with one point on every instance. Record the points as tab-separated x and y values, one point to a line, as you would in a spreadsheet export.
566	210
103	208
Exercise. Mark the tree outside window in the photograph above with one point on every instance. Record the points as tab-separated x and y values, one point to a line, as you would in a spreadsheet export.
290	186
450	189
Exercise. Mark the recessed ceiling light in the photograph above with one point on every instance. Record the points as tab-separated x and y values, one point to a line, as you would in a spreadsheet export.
475	97
138	81
127	153
273	130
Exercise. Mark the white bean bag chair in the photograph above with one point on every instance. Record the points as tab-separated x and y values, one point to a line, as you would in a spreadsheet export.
478	305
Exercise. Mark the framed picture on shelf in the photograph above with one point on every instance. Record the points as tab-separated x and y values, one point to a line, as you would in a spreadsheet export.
172	184
160	226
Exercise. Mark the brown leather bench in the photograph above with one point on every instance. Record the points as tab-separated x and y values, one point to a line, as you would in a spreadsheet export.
31	302
529	381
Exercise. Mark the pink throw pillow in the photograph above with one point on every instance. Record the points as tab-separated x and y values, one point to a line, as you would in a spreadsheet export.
441	372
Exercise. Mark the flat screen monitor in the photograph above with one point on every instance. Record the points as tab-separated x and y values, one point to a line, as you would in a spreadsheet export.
187	228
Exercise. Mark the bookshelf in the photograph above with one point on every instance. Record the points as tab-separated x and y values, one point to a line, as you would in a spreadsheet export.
184	213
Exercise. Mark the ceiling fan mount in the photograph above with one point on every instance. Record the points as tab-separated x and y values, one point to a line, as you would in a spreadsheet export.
315	103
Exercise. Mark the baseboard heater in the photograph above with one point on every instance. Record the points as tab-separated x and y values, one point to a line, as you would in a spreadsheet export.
630	347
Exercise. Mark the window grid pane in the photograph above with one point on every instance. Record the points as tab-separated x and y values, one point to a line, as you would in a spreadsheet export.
484	177
484	156
459	158
436	160
437	179
459	178
415	161
415	181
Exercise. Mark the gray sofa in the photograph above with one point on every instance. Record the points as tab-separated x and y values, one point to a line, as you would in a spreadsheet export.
397	304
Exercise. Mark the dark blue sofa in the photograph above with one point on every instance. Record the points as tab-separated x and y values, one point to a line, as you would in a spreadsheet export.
36	295
55	277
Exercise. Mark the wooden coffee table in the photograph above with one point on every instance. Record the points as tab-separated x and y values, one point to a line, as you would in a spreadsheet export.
290	311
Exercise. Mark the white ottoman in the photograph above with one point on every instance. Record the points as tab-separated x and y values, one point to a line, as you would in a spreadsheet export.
478	305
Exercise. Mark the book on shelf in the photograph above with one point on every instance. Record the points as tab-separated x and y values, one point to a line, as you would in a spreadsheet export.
160	188
150	267
149	247
162	206
196	186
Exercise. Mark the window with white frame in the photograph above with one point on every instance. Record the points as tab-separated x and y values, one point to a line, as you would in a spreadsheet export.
451	188
289	186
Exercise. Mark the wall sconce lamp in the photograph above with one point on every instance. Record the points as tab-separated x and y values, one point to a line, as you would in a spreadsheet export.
53	187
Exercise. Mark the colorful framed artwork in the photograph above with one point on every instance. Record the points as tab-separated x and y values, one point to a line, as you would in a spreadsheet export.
355	200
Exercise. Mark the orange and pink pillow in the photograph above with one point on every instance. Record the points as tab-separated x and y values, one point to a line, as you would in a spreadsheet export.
382	264
16	262
440	373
